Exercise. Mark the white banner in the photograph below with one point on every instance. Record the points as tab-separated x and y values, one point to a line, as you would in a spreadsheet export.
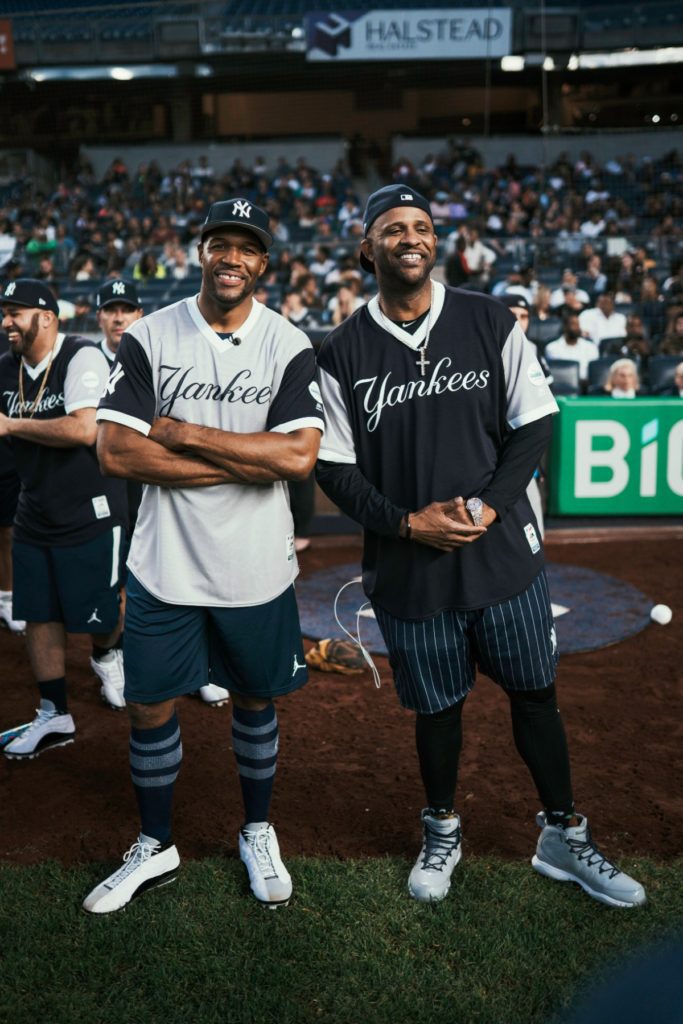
463	33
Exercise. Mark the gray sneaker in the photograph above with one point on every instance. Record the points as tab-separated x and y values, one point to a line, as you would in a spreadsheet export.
570	855
430	879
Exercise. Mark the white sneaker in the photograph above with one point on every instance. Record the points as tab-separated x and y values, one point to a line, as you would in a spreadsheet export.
48	729
268	877
110	671
214	696
145	866
14	625
430	879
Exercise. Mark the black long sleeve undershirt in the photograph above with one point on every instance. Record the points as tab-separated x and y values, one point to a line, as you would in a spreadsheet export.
353	493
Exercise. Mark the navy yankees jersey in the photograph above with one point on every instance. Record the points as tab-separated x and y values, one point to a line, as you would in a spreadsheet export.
64	498
233	544
423	439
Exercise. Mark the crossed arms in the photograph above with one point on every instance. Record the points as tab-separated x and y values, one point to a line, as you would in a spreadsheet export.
177	454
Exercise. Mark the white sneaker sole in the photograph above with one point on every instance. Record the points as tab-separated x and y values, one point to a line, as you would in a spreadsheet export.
558	875
36	753
114	707
435	898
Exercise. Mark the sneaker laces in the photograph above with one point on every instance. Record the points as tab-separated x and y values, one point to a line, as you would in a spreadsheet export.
259	841
43	715
438	848
586	850
137	855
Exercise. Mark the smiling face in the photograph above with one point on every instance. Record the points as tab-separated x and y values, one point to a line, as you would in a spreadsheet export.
232	260
30	332
402	245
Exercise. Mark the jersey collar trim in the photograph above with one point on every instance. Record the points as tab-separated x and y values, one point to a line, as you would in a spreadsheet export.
35	371
412	341
211	336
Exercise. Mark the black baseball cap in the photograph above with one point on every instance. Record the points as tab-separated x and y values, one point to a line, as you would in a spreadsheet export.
514	301
388	198
239	212
118	290
28	291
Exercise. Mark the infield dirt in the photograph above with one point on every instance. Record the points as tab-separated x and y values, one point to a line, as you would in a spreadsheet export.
347	782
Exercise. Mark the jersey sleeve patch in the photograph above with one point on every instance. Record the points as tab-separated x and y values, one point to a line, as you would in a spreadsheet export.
85	378
129	396
528	395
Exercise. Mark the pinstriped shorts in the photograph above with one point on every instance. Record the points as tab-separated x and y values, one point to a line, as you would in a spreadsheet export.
435	660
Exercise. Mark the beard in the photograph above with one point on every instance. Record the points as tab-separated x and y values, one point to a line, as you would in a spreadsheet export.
26	338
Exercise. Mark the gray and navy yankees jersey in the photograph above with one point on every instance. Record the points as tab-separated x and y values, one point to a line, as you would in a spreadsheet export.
64	498
423	439
233	544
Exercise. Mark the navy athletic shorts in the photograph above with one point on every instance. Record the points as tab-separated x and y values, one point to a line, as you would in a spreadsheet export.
435	660
76	585
10	485
172	649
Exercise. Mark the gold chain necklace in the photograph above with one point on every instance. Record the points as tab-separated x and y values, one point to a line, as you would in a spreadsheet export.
422	362
35	404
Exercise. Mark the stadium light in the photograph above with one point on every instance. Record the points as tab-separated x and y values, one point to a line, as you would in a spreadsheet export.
512	63
121	74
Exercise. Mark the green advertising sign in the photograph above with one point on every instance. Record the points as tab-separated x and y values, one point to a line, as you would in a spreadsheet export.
612	456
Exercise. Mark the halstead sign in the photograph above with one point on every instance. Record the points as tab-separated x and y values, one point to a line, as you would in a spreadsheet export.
463	33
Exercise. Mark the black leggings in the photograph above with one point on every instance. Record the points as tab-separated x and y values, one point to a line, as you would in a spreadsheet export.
539	737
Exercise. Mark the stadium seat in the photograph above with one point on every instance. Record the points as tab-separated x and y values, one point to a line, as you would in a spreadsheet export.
598	371
660	372
543	331
317	335
566	379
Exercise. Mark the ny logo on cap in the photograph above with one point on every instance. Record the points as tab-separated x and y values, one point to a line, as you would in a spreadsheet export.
10	289
41	302
405	196
240	208
118	288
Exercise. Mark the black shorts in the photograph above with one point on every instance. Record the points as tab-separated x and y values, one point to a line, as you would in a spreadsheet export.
171	649
76	585
10	485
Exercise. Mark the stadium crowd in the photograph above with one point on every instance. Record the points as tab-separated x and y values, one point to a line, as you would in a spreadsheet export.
601	242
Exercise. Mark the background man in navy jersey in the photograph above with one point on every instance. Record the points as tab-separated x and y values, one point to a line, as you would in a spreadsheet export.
212	402
9	494
118	306
437	412
69	520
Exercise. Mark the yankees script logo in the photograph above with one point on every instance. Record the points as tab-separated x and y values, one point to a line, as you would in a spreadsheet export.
380	395
175	383
47	403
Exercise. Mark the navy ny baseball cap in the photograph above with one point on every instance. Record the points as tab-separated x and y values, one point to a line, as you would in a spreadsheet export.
118	290
388	198
514	301
239	213
28	291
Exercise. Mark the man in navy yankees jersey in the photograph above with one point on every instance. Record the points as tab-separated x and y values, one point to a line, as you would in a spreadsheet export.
212	403
69	519
437	413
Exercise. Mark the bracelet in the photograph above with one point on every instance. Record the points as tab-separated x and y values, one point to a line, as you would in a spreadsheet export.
404	530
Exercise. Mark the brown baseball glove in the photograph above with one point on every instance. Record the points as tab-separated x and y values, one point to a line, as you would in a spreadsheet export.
336	656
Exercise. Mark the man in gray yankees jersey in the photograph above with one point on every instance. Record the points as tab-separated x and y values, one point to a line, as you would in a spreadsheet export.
212	403
437	412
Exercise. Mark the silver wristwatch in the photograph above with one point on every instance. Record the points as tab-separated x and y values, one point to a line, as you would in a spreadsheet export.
475	507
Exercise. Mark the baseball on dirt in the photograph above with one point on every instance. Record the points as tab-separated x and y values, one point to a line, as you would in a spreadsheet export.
662	614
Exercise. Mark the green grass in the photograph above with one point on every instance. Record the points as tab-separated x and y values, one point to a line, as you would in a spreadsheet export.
506	947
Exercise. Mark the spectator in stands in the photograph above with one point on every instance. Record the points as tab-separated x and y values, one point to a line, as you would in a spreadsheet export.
652	308
480	258
344	303
672	345
148	268
541	307
83	268
568	283
635	344
572	345
622	380
296	311
601	321
593	280
456	267
8	242
594	225
674	390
